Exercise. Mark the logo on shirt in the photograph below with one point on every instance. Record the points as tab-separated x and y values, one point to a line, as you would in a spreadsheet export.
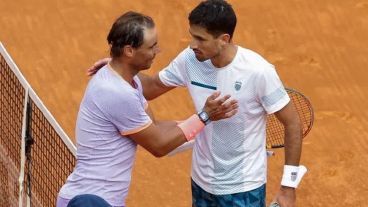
238	85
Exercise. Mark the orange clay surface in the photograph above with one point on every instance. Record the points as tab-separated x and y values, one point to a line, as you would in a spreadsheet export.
318	47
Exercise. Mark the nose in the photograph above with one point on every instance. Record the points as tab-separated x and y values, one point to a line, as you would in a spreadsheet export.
193	44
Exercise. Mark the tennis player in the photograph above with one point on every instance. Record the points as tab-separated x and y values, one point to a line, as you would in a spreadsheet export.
114	117
229	162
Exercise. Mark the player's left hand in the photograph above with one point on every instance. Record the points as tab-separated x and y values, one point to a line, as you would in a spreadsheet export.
97	66
286	197
220	107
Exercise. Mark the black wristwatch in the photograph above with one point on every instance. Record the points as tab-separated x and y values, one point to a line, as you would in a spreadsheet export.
203	116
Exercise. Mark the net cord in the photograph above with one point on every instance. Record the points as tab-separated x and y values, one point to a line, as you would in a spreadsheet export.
37	100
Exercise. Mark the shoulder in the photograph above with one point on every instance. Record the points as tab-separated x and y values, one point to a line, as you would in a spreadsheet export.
253	58
186	52
185	55
111	91
254	62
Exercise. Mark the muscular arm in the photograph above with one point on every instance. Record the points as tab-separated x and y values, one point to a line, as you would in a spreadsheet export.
293	134
160	138
293	147
152	86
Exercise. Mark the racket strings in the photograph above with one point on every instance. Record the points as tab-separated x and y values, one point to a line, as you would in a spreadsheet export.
275	131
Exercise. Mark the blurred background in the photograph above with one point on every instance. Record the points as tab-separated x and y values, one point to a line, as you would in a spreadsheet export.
318	47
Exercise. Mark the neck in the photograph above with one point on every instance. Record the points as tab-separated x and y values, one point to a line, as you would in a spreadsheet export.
225	57
126	71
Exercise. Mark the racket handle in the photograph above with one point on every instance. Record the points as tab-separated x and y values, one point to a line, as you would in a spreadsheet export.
274	204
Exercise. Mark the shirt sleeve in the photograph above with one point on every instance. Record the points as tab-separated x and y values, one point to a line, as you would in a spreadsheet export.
140	88
271	91
175	74
126	110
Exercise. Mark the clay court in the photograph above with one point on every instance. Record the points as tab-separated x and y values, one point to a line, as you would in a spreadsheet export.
318	47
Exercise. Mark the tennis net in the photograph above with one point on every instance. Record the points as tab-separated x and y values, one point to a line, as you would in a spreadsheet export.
36	155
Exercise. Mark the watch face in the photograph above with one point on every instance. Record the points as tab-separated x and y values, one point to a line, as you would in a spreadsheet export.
204	116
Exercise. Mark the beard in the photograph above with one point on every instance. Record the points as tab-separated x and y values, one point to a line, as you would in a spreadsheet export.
145	64
201	58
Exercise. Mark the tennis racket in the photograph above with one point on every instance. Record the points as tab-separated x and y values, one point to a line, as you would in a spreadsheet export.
275	129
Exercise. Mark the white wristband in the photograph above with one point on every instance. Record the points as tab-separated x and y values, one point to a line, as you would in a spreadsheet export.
293	175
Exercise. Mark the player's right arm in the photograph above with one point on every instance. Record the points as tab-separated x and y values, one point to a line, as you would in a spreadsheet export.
160	138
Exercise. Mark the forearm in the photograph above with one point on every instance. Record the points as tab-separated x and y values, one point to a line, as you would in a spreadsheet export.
162	137
293	144
172	136
286	194
293	147
163	124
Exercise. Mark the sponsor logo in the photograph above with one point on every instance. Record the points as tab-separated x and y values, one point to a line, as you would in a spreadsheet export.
294	175
237	85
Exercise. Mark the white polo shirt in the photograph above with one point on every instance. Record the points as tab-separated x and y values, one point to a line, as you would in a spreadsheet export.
229	156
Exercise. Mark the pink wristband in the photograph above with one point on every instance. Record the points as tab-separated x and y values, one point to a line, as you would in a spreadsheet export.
178	122
191	127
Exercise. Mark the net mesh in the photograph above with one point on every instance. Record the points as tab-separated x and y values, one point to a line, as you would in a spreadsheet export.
50	161
11	107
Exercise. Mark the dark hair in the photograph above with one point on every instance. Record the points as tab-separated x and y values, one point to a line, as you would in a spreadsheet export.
216	16
128	29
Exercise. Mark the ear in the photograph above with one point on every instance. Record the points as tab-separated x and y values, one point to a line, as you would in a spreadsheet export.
128	51
225	38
